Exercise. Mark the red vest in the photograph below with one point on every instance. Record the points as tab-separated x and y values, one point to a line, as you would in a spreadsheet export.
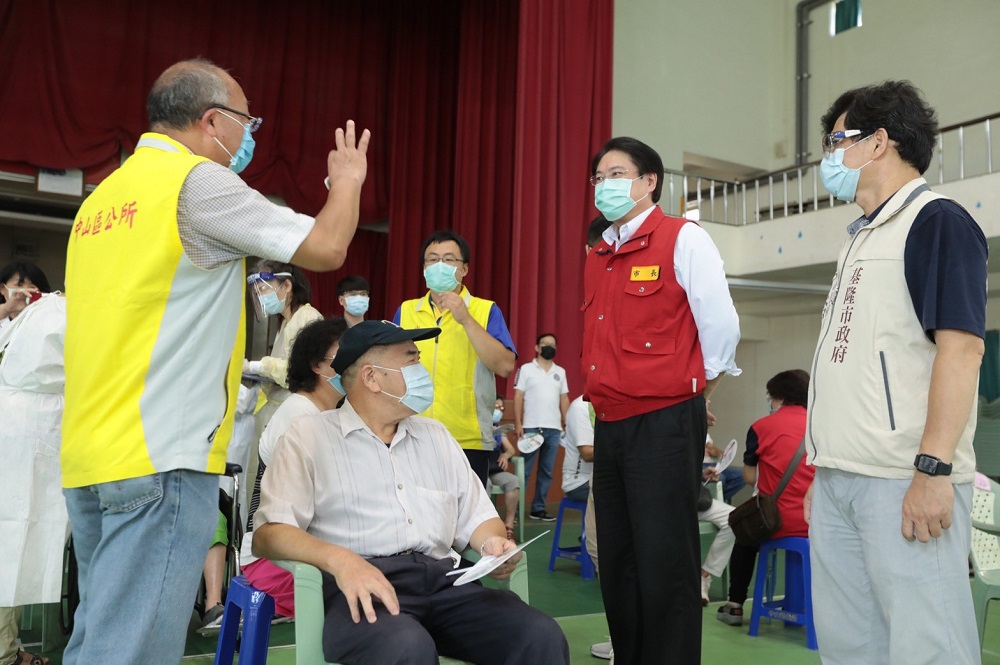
779	436
640	342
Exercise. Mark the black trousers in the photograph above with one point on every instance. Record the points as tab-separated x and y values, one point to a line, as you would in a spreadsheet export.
467	622
647	473
479	460
742	562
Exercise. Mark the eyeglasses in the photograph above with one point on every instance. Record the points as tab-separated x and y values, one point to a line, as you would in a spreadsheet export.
253	123
832	140
614	174
447	258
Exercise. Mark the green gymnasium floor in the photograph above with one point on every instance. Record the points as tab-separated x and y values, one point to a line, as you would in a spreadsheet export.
576	605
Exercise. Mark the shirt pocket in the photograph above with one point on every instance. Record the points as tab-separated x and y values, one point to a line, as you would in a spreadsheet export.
435	514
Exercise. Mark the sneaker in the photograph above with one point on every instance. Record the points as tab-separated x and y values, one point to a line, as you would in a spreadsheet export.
542	515
211	621
706	584
602	650
731	614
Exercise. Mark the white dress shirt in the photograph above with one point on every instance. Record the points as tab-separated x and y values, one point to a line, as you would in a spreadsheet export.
699	270
332	477
579	432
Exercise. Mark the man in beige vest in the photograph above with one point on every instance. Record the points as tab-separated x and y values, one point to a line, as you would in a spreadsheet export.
892	399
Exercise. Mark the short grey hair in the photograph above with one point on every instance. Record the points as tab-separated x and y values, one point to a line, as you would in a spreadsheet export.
184	92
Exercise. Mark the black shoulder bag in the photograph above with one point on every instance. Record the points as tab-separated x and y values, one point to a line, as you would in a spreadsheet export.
758	519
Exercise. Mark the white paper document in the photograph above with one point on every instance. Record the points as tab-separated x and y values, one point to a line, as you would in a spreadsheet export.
488	564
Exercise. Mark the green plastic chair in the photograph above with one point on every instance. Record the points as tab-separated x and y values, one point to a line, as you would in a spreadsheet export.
986	442
985	553
519	472
309	611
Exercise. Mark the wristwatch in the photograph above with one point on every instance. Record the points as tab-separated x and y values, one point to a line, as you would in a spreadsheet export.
931	465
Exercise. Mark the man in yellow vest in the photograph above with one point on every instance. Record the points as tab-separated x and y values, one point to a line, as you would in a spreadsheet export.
154	351
473	347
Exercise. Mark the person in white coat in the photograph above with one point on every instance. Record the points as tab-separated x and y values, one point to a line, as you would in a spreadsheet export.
33	520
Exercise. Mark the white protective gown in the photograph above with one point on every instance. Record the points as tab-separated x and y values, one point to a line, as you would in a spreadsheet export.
33	520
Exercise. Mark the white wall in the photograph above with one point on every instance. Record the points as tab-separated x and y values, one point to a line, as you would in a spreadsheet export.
701	76
717	77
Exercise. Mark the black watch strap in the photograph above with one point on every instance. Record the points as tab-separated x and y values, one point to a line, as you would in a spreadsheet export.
931	465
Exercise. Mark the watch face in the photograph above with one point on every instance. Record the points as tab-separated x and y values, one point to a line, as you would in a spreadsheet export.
926	464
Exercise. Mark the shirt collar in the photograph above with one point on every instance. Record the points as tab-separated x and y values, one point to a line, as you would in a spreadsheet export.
350	422
161	142
616	237
426	300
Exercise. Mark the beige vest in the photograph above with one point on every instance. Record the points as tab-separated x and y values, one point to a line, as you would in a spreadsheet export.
871	372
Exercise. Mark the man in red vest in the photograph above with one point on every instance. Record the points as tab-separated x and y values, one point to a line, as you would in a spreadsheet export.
660	330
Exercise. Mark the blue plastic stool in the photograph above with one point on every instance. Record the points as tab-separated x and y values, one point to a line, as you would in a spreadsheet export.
257	609
796	607
576	552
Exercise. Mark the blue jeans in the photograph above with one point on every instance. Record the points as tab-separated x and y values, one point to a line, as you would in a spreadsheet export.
140	548
581	493
547	455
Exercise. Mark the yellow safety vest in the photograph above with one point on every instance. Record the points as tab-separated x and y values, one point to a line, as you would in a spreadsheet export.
464	388
154	344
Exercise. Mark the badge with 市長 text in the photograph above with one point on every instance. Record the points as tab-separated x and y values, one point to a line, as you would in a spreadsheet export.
645	273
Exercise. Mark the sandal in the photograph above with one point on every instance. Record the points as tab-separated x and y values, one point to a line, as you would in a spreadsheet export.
510	534
27	658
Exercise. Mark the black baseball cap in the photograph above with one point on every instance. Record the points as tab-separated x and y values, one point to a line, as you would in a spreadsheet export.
367	334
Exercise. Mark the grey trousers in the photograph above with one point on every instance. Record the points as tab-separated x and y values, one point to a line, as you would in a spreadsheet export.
878	598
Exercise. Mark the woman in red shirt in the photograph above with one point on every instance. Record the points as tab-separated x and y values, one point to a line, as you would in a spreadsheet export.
771	444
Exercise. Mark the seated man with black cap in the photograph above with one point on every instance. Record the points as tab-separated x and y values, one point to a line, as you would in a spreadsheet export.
376	497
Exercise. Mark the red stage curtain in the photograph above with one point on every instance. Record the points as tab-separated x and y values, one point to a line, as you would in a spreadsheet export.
76	74
564	77
484	117
366	258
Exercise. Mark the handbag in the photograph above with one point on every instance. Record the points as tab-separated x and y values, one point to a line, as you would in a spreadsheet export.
757	519
704	499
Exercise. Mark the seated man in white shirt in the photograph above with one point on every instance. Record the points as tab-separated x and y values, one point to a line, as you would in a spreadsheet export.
376	497
578	465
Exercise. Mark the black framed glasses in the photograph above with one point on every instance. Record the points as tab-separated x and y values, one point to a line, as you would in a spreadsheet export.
253	123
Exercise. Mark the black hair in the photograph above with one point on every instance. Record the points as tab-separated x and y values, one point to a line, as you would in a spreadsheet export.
896	106
301	288
596	230
646	159
309	348
353	283
552	335
445	236
790	386
23	269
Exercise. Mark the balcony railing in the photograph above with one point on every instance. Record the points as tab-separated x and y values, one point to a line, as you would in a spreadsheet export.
965	150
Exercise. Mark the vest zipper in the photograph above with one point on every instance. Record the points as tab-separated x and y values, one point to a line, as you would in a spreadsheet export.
888	396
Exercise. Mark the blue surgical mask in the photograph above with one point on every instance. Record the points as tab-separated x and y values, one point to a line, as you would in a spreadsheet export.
419	387
840	180
337	384
497	416
244	153
614	197
356	305
271	303
440	277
